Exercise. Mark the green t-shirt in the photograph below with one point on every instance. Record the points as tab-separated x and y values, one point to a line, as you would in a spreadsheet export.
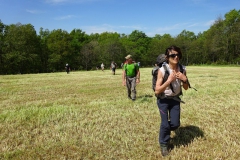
131	69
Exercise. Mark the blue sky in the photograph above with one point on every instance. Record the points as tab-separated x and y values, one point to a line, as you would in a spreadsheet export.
121	16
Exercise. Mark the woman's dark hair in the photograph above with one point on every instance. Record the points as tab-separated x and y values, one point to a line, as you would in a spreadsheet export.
175	48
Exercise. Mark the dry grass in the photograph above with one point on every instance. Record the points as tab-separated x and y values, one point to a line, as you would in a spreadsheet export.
86	115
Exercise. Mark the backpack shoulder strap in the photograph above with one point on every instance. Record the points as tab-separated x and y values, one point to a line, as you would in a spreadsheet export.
135	68
181	68
165	77
155	71
166	74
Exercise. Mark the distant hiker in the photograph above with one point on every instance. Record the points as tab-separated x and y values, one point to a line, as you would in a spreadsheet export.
102	67
169	101
113	67
67	67
122	65
139	64
130	77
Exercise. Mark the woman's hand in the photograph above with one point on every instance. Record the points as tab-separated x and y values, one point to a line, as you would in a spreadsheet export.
172	77
181	76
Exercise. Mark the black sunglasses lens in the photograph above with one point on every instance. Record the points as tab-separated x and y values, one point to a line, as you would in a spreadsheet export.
173	55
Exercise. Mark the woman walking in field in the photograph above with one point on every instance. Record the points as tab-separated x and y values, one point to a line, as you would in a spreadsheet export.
168	92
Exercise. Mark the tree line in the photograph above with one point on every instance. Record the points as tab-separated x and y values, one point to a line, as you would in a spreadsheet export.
22	50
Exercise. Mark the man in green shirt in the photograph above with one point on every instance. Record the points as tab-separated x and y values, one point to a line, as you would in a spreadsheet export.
130	77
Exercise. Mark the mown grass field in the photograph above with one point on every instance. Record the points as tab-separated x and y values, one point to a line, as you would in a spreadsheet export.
87	115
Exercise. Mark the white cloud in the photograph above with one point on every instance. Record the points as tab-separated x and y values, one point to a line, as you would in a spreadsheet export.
109	28
130	27
181	26
68	1
34	11
193	25
169	28
198	1
97	29
209	23
57	1
175	29
65	17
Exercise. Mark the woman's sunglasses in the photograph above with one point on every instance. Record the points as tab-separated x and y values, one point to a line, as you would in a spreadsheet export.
173	55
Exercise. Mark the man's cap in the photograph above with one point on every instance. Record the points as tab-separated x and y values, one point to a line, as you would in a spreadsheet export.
128	56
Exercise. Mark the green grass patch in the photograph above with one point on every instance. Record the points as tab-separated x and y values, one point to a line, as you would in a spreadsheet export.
87	115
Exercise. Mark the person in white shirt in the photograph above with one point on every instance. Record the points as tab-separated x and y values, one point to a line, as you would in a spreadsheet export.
169	106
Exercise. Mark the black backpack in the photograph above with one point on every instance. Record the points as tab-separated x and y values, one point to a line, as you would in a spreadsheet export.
160	60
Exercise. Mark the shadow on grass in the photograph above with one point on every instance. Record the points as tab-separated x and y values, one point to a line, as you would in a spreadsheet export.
145	98
185	135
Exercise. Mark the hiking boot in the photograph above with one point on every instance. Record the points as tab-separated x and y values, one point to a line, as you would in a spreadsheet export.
133	99
164	150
